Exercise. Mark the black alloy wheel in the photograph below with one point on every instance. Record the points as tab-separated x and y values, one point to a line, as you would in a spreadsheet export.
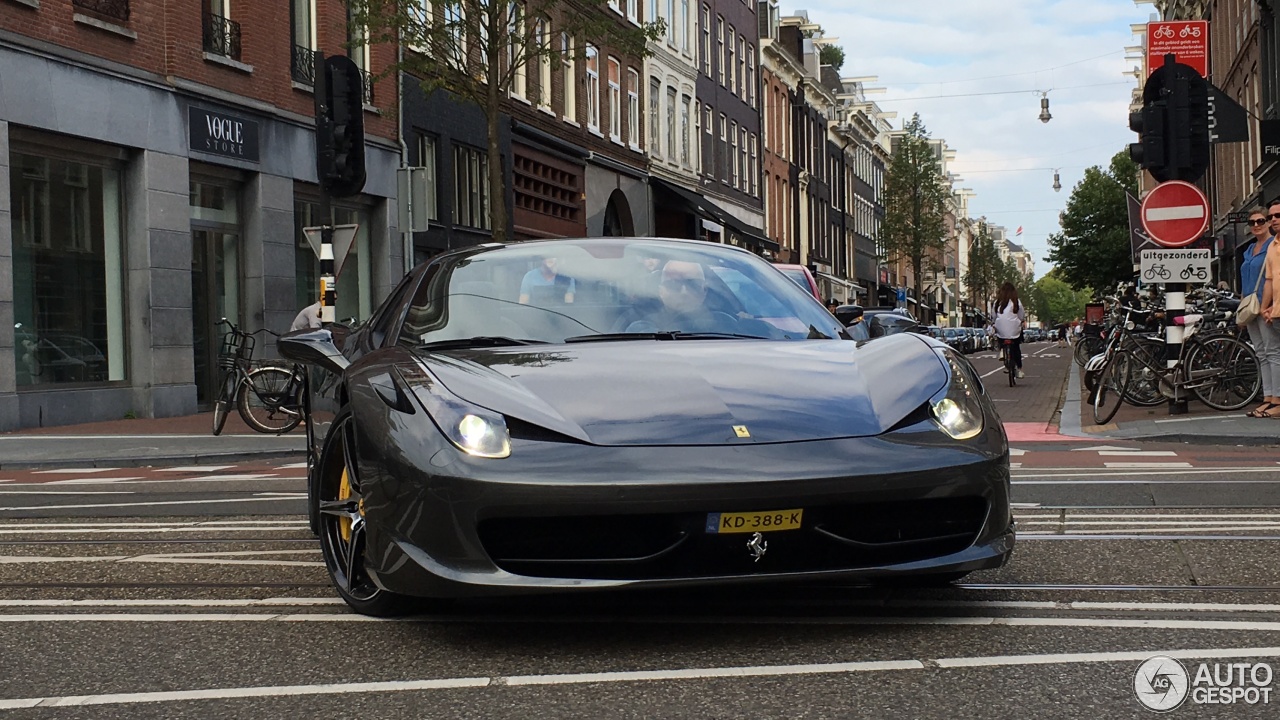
342	524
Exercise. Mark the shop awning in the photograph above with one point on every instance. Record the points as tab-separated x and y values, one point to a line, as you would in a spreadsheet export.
846	284
713	215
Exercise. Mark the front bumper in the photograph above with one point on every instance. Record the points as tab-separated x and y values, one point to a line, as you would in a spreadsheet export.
561	516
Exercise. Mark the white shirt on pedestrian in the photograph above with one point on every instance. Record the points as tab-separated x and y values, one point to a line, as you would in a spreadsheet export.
1008	323
308	318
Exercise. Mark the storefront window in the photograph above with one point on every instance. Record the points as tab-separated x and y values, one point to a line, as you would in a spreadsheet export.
355	282
68	289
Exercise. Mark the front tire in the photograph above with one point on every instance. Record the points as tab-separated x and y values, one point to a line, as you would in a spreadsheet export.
340	504
222	405
1112	382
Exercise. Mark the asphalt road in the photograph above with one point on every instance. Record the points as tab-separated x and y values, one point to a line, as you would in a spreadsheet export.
217	605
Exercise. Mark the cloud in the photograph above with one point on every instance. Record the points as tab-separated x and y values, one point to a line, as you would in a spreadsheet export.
971	50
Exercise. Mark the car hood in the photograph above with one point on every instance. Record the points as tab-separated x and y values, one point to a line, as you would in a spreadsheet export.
699	392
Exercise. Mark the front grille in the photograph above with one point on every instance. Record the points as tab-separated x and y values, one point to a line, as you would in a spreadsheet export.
676	545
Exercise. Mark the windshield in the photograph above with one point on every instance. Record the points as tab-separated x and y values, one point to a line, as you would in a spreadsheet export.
552	291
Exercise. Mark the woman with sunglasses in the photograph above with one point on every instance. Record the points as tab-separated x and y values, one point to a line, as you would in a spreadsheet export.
1252	281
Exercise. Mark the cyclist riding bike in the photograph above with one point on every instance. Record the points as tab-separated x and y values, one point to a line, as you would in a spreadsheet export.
1009	320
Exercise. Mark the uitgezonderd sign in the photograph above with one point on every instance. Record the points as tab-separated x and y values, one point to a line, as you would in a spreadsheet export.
222	134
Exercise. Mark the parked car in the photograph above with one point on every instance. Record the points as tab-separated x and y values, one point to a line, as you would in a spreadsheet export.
463	444
802	277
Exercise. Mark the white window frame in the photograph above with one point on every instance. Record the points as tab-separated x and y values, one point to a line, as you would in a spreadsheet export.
722	167
633	11
455	15
755	166
686	107
655	117
633	108
544	64
685	26
427	149
569	70
720	47
672	30
751	75
310	7
614	81
520	76
706	40
593	88
671	95
735	160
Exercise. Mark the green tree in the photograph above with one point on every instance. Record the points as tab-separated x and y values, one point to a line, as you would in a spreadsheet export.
1055	301
1093	248
913	230
832	55
984	267
479	49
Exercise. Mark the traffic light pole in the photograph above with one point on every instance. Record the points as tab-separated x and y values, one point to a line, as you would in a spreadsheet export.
328	285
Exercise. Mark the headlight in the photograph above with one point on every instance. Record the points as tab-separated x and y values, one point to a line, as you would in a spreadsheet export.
958	409
472	429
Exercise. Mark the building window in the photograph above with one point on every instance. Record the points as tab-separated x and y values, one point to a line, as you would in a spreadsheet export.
633	13
455	18
221	33
544	64
115	9
734	159
671	124
515	49
655	116
755	167
720	48
68	271
742	67
593	88
633	108
730	63
685	108
685	30
751	75
615	100
673	29
427	159
471	187
706	40
570	78
723	165
302	21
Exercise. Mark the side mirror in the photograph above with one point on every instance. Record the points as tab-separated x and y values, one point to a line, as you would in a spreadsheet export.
315	347
848	314
921	329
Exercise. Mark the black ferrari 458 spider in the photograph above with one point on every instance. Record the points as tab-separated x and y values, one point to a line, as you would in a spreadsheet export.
568	415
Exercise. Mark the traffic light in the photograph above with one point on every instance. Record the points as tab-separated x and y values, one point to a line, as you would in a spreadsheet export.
1173	124
339	97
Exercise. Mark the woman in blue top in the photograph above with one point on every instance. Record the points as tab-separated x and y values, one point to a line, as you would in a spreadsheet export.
1263	336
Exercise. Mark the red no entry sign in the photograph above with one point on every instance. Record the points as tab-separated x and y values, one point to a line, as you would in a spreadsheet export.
1175	214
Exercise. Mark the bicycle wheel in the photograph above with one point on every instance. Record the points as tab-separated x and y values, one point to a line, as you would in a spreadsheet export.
1087	347
226	393
270	400
1143	386
1111	387
1010	367
1223	373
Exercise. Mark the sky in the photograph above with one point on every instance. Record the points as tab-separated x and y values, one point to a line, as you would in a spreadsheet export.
993	59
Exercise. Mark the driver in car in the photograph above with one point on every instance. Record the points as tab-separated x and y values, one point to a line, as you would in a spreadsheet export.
683	292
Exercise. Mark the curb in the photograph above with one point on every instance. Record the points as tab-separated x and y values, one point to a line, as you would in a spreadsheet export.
152	460
1190	439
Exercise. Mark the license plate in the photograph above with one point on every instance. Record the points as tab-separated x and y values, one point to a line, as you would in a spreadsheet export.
749	522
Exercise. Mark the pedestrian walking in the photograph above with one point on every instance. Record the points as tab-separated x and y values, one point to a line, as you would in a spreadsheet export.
1258	272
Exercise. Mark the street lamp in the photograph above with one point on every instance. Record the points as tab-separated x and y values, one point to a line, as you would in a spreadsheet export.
1057	183
1044	108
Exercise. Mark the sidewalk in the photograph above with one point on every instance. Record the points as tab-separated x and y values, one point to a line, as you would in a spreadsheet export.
146	441
1201	425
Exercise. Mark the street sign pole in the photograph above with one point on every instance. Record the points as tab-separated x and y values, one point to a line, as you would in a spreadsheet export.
1175	306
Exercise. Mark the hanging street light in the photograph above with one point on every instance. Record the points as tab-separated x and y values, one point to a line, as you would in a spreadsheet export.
1057	183
1044	108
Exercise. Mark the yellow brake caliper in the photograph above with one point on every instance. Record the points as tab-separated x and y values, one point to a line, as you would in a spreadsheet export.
344	492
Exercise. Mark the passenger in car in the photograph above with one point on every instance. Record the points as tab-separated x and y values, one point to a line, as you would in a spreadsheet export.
544	285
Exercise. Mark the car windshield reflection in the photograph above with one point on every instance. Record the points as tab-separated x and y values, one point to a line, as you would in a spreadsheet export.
613	290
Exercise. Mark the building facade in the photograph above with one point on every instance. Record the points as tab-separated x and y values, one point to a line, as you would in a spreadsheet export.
160	169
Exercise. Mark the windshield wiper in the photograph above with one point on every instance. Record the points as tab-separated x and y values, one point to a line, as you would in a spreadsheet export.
478	341
667	335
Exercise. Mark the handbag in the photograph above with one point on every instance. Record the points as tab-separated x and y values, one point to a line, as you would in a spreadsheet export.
1249	306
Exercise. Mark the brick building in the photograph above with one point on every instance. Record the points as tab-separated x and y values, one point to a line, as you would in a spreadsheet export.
158	168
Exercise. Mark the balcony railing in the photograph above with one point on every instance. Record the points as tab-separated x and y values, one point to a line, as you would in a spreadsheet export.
304	65
115	9
221	36
367	80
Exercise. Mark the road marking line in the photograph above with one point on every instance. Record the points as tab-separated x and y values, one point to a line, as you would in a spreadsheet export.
87	481
145	481
628	676
22	559
1096	472
1152	521
1147	465
244	602
1118	530
28	438
1100	448
194	558
1205	417
145	504
67	492
1139	453
196	468
74	471
1016	452
293	466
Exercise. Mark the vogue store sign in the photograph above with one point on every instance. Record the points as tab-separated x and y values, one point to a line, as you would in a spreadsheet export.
222	134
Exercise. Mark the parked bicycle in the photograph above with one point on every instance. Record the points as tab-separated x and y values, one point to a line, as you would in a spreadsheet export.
268	396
